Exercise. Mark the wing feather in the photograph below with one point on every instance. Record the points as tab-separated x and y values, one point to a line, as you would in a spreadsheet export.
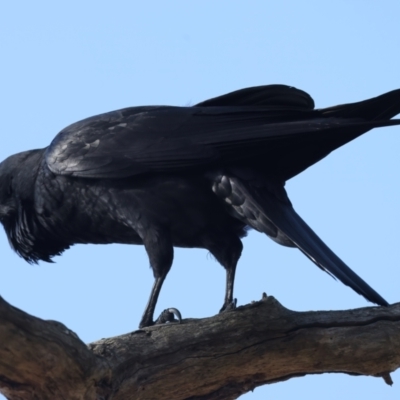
284	138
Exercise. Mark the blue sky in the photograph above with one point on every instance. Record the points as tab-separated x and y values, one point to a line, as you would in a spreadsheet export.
62	62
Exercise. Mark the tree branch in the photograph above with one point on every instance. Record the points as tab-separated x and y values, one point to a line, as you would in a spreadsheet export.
213	358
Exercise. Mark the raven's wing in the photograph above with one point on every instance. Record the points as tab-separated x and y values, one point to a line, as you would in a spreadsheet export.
283	138
266	207
263	96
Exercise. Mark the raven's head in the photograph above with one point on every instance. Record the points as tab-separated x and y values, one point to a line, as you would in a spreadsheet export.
17	181
8	202
17	178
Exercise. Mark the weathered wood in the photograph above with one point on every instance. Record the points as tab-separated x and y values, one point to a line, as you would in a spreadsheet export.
213	358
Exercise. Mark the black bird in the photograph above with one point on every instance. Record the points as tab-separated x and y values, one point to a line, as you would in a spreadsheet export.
196	176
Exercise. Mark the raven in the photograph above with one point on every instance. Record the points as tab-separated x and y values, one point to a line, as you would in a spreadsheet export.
199	176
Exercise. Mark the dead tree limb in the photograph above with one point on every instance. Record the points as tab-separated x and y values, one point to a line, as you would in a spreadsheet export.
213	358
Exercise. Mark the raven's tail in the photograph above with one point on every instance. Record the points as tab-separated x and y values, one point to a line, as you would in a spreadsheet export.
266	208
378	108
338	126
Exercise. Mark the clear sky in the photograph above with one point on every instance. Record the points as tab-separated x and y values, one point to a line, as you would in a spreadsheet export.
64	61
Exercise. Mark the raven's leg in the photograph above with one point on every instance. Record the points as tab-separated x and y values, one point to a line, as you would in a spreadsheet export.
147	318
228	252
161	253
230	279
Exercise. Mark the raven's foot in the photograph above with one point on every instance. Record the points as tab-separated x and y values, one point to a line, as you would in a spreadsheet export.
165	317
229	306
168	315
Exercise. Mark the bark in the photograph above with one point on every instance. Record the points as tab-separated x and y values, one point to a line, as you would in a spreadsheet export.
213	358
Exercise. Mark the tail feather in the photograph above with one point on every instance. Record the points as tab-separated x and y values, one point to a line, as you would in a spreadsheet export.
382	107
282	215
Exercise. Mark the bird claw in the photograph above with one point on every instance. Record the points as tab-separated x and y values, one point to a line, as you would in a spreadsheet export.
229	307
168	315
